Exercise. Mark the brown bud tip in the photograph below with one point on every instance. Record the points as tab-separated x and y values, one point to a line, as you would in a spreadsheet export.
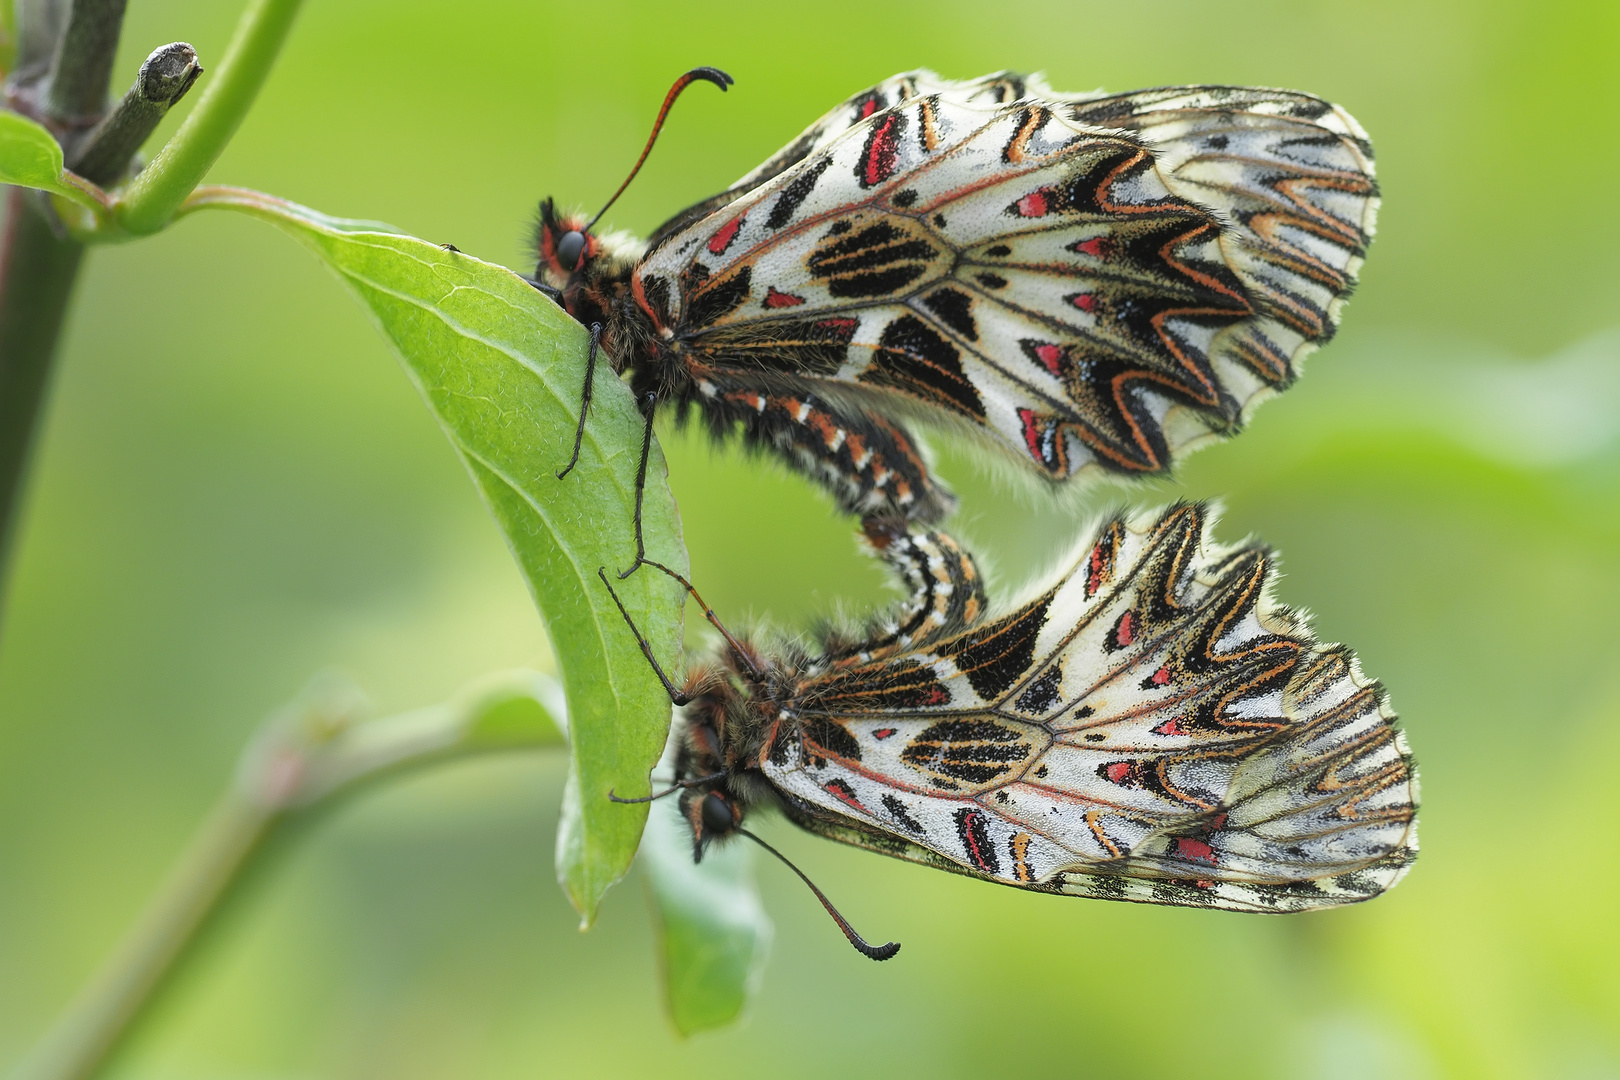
168	73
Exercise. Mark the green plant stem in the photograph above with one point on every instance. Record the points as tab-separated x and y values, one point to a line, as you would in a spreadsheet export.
155	195
37	271
39	27
86	1039
76	90
103	156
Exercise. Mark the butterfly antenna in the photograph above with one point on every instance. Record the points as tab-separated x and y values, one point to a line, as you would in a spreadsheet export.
708	74
679	785
676	697
862	946
714	620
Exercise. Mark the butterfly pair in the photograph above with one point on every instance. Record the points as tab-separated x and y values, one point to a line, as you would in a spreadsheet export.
1090	283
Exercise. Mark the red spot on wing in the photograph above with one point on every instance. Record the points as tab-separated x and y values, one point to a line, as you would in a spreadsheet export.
976	840
938	696
1117	772
840	329
1098	247
1050	356
1085	301
1125	629
1161	676
844	794
1044	441
775	299
868	107
883	733
1097	572
1035	204
1195	851
882	151
728	232
1170	727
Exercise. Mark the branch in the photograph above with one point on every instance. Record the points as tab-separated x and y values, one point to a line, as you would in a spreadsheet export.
155	195
106	151
39	28
303	761
76	89
37	270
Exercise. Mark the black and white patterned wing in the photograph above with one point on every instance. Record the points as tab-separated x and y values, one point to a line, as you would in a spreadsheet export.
999	88
1079	293
1150	728
1292	177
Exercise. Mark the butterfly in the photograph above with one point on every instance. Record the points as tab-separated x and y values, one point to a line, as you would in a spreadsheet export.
1147	726
1092	282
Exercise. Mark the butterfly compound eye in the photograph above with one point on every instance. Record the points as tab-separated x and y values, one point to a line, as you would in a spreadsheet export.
571	248
717	814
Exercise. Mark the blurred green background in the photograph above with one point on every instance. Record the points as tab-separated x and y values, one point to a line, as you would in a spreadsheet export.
237	487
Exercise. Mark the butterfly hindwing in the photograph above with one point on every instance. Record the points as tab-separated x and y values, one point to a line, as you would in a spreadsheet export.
1149	728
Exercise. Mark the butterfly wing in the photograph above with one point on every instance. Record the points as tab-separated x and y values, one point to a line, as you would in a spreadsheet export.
1150	728
1055	284
1001	87
1292	178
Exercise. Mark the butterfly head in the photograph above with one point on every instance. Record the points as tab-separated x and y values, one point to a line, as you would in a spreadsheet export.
713	815
565	245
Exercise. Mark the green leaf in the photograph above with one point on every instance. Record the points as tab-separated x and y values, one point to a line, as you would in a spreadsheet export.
30	157
502	369
714	930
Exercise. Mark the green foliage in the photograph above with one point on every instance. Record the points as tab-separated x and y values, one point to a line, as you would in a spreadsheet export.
714	933
30	157
500	367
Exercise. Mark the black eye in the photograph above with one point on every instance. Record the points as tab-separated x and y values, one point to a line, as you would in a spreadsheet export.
570	248
716	814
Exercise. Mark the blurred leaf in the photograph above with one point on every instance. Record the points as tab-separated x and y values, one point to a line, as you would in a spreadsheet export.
715	933
30	157
501	368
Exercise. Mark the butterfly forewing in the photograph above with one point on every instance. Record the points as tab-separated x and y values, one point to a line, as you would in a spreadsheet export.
1088	280
1150	728
1291	173
1000	88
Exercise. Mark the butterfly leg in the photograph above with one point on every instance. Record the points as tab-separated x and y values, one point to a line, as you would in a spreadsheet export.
585	407
649	403
550	293
868	464
676	697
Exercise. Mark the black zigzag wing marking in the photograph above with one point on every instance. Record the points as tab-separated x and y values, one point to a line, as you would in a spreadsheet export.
1295	176
1159	261
1298	793
1062	353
